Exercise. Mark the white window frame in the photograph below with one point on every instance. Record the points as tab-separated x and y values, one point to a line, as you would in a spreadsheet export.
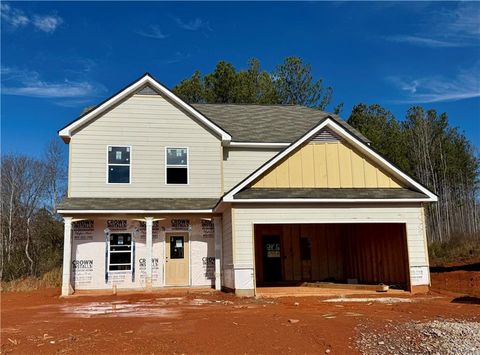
177	166
126	251
129	165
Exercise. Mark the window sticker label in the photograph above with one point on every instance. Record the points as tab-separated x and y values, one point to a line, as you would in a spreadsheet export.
273	250
419	275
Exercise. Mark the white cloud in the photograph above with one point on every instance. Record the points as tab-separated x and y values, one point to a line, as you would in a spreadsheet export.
422	41
48	23
176	58
459	27
153	31
463	21
464	85
28	83
193	25
15	18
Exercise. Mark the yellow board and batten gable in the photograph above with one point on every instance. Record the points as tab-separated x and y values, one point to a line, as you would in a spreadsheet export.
326	161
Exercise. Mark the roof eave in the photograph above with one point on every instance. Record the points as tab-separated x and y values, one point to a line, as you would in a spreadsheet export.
108	211
330	200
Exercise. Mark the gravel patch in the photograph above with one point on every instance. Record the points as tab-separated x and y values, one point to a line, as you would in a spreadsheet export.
433	337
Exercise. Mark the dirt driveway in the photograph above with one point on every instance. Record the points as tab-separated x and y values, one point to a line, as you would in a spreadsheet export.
209	322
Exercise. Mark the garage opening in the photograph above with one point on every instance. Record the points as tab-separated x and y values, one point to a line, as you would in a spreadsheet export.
357	253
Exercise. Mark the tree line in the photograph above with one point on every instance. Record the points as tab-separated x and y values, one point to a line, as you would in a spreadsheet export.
423	144
32	231
439	156
291	82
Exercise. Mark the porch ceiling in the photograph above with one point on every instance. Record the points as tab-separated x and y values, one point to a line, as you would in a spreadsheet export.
146	204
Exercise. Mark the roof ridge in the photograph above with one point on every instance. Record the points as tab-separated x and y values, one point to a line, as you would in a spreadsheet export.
244	104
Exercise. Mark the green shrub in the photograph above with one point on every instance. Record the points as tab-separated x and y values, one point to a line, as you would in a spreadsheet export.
458	249
52	278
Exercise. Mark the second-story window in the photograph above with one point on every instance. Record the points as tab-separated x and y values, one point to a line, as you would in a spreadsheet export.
118	164
177	166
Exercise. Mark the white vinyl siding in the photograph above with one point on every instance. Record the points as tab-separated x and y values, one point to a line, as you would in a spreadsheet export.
227	250
245	217
148	124
238	163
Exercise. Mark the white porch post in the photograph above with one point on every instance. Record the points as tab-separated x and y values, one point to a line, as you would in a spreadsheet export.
217	223
67	257
148	261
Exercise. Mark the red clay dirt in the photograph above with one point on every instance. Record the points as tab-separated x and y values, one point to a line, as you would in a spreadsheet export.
467	282
185	322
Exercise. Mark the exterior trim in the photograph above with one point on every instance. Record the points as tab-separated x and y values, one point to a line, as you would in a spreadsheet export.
229	197
67	131
131	211
339	200
257	145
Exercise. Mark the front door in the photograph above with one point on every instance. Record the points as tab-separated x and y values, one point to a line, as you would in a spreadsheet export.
176	259
272	260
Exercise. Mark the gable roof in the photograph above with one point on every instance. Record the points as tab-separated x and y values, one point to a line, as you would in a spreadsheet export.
268	123
146	79
329	122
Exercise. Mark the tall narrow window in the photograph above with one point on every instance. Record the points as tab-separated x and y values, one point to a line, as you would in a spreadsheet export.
120	252
177	165
118	165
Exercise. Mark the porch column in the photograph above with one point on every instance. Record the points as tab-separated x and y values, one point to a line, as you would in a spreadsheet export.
217	224
67	257
148	261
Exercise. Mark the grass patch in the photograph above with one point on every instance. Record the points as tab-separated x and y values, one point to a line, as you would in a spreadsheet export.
455	251
52	278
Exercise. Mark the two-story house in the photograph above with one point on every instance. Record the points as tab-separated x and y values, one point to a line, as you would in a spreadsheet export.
163	193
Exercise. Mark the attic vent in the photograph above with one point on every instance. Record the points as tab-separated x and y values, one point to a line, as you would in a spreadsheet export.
147	90
326	136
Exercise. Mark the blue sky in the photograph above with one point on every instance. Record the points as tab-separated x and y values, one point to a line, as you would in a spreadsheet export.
58	57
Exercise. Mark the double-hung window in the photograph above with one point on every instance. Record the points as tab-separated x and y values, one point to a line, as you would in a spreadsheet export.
120	258
177	166
118	164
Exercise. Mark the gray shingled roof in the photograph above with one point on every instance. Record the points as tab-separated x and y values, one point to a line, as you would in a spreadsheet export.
340	193
268	123
80	203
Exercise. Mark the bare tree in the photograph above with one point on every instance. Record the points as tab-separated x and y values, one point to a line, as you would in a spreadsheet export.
24	187
56	170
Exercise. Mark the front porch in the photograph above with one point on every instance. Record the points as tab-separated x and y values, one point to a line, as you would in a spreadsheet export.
131	252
